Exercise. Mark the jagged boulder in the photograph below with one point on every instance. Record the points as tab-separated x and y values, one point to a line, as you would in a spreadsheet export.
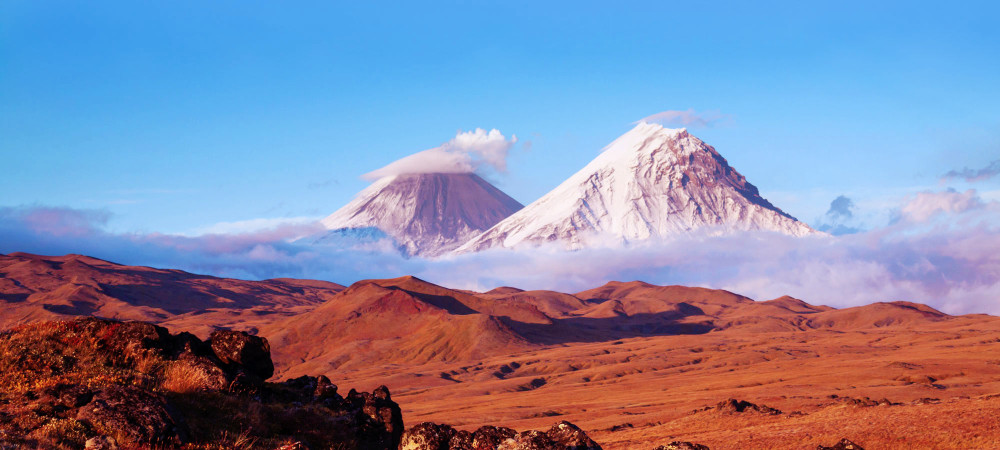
427	436
528	440
101	443
490	436
134	414
384	423
240	351
567	435
843	444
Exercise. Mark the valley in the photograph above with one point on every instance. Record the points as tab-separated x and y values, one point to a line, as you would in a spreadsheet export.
634	364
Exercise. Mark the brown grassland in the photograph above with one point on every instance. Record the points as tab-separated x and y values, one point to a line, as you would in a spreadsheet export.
633	364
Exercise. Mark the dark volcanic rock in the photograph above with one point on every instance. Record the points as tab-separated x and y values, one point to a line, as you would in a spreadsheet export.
427	436
380	418
529	440
567	435
491	437
101	443
868	402
733	406
237	349
137	415
843	444
113	384
431	436
682	445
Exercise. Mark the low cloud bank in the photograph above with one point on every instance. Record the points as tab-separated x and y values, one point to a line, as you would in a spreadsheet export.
942	249
467	152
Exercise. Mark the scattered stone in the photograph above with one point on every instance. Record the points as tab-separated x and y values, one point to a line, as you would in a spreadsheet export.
620	427
490	437
733	406
101	443
682	445
427	436
529	440
844	444
868	402
431	436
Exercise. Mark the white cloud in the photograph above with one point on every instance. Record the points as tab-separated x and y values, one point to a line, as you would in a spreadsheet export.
955	268
689	118
467	152
925	205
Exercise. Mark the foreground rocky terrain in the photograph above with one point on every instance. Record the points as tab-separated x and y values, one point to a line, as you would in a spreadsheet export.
635	365
94	383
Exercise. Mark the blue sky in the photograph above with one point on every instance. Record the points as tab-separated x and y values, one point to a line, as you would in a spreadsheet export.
174	116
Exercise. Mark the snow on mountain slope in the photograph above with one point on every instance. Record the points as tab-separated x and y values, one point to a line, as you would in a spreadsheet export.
649	183
427	214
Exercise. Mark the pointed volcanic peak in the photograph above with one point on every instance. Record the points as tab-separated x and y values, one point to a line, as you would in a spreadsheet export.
427	214
652	182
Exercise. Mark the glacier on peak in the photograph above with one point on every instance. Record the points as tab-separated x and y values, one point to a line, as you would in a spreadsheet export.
652	182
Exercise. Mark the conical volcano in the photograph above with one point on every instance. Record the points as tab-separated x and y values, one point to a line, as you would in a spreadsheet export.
427	214
652	182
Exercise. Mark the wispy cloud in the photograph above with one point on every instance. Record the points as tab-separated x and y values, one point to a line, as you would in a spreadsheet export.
308	224
57	221
150	191
320	184
973	175
688	118
467	152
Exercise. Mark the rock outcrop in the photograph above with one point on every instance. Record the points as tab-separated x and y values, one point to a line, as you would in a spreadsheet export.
242	352
431	436
103	384
733	406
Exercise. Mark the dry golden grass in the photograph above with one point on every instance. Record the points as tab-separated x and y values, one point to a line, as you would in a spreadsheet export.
642	392
184	378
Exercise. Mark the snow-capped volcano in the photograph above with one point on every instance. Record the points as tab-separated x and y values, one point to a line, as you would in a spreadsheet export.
649	183
427	214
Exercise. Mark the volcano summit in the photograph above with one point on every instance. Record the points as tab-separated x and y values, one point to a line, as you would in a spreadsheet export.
652	182
427	214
